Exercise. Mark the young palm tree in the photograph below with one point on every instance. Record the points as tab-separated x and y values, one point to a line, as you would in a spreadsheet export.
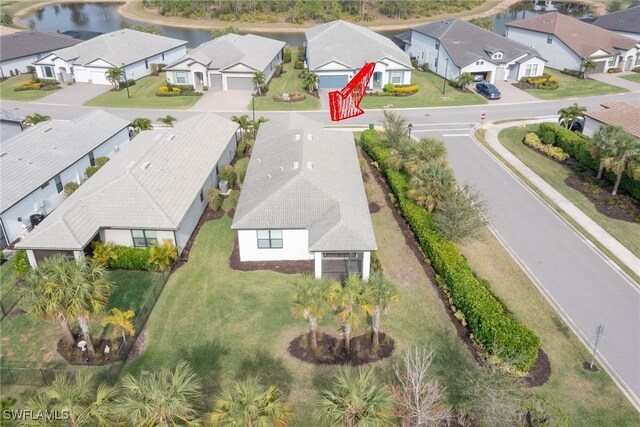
310	303
602	143
464	80
255	125
163	255
571	114
113	75
588	65
122	321
430	184
35	118
244	123
259	81
167	120
104	253
249	404
310	81
349	300
356	400
141	123
395	130
160	398
384	293
624	156
425	150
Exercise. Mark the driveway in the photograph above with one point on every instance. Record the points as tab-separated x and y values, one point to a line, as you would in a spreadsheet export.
614	79
76	94
324	98
511	94
224	100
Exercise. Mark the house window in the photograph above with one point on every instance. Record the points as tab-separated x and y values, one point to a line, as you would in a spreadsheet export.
45	185
48	72
269	239
611	62
146	64
549	38
163	56
396	77
92	159
143	238
437	44
201	196
497	55
58	181
531	70
480	62
181	77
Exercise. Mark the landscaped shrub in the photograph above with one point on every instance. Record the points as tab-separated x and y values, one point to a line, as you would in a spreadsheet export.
575	73
70	187
544	81
293	97
227	174
548	137
287	55
215	201
278	70
414	62
397	90
241	149
299	65
425	67
542	413
126	83
388	87
532	140
614	70
101	161
234	196
636	69
21	263
129	258
493	328
91	170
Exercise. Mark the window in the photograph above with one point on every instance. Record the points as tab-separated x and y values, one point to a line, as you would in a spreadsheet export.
58	183
396	77
92	159
48	72
181	77
480	62
497	55
549	38
611	62
163	56
143	238
269	239
201	196
146	64
45	185
437	44
531	70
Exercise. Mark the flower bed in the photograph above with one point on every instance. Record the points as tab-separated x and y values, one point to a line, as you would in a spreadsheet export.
293	97
38	84
396	90
556	153
545	82
177	90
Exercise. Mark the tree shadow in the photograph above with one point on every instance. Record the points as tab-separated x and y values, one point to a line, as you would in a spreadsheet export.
268	370
205	360
449	352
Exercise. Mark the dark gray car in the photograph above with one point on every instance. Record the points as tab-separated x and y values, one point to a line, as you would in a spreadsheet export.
488	90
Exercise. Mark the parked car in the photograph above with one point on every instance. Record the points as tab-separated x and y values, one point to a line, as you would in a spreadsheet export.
478	77
488	90
577	126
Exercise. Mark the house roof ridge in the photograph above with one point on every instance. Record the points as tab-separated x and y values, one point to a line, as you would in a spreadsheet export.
150	197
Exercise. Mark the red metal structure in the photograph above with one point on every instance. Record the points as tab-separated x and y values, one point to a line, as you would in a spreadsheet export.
345	103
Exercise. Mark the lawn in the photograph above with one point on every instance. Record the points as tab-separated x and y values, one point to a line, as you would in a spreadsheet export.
574	87
7	276
288	82
143	95
429	95
7	92
635	77
554	174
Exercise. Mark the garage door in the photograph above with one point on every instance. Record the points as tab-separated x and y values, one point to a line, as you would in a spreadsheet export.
600	67
98	77
240	83
216	81
333	82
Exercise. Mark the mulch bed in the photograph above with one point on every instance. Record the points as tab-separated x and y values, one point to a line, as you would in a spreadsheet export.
540	371
231	213
75	356
587	367
374	207
620	206
331	349
286	267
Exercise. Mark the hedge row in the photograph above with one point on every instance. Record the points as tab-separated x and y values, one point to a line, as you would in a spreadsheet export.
532	140
495	330
128	258
577	146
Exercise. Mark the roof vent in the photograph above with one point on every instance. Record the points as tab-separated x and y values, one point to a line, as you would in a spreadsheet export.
281	169
131	164
47	130
259	161
309	165
298	137
295	165
3	154
18	158
310	137
145	165
268	175
170	138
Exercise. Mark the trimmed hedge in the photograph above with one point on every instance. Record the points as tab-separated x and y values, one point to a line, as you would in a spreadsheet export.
21	263
492	327
532	140
575	73
129	258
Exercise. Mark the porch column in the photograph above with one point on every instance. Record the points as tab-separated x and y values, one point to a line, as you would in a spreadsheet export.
78	255
318	264
366	265
32	259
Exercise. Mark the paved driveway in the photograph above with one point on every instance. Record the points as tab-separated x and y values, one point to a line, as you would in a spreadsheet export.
614	79
224	100
76	94
511	94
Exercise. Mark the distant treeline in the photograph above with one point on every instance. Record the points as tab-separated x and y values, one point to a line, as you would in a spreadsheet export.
300	11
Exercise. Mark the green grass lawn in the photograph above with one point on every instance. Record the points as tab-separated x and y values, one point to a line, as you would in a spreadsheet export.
7	92
635	77
288	82
429	95
574	87
7	276
554	174
143	95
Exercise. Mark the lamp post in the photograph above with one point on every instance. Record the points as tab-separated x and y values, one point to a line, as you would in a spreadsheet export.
126	83
446	69
410	128
253	105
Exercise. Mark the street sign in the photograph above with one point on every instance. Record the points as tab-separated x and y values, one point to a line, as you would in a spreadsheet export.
483	116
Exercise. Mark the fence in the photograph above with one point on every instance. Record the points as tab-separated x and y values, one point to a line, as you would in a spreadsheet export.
9	300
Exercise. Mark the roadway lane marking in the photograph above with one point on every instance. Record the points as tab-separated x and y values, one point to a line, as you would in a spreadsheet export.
439	130
455	134
446	124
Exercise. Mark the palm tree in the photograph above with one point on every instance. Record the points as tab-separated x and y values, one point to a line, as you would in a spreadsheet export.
384	293
160	398
588	65
425	150
113	75
356	400
601	144
259	81
310	81
35	118
430	184
167	120
104	252
244	123
310	303
349	300
249	404
624	156
464	80
255	125
571	114
163	255
141	123
121	320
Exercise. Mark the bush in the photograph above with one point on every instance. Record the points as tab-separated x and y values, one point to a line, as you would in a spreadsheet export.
126	84
129	258
493	328
614	70
548	137
424	67
241	149
575	73
532	140
91	170
299	65
215	201
227	174
21	263
234	196
542	413
287	55
388	87
167	93
278	70
636	69
544	81
70	188
414	62
301	51
101	161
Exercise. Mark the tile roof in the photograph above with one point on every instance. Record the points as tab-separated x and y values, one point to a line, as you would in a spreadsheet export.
582	38
619	114
302	176
150	184
350	45
42	151
26	43
626	20
466	43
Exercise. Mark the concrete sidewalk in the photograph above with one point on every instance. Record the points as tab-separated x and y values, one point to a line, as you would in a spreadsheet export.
615	80
623	254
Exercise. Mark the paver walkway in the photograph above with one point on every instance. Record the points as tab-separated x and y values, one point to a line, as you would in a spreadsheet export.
614	79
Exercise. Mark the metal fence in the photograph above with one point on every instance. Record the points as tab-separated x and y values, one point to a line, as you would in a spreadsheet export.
9	300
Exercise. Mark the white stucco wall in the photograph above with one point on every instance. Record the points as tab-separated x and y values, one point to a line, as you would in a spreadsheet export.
116	236
295	246
591	126
19	63
191	219
558	55
522	68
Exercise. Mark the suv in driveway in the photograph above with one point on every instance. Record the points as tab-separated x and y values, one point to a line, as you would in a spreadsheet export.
577	126
488	90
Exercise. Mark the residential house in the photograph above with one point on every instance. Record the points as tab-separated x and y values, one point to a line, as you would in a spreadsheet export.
228	62
452	47
154	189
10	125
615	113
336	51
567	42
625	22
303	199
89	60
37	163
21	49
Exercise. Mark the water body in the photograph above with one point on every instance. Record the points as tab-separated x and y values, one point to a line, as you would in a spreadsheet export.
104	18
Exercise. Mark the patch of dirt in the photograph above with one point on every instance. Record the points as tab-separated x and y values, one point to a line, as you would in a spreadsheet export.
374	207
286	267
540	371
365	177
587	367
75	356
16	312
231	213
620	206
331	349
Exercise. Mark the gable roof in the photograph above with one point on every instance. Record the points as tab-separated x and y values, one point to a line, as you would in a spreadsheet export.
618	113
626	20
42	151
123	46
27	43
302	176
351	45
223	52
465	43
150	184
582	38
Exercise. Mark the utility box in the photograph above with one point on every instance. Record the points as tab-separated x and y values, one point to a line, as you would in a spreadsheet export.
223	186
371	126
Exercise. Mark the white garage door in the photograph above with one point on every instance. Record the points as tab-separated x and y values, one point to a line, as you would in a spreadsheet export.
240	83
98	77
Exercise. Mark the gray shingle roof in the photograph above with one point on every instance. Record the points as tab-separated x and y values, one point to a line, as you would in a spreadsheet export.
466	43
150	184
302	176
27	43
223	52
122	46
626	20
36	155
350	45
